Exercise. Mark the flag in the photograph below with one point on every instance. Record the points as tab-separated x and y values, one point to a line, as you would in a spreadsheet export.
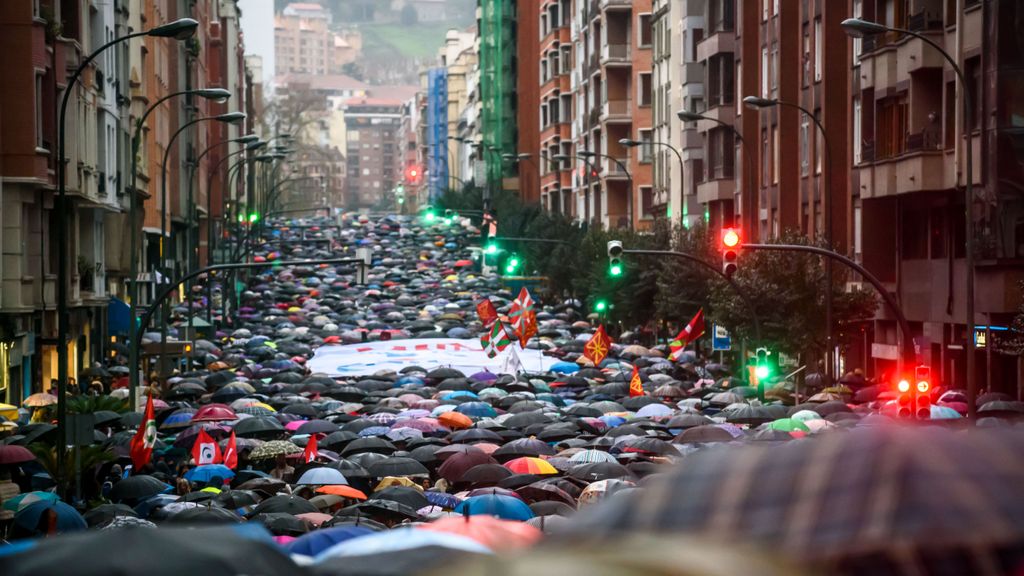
231	453
491	225
495	341
523	316
513	365
636	386
693	330
596	349
144	440
485	310
311	452
205	450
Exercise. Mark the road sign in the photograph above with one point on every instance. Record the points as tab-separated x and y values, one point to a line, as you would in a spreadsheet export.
720	339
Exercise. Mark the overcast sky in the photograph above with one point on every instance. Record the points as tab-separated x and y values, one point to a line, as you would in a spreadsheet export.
258	27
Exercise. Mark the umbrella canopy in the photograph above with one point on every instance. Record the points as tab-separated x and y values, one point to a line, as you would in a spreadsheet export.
528	465
35	518
494	533
273	449
322	476
500	505
137	487
315	542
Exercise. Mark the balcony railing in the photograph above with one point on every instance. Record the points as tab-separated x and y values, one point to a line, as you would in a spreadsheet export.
613	169
615	52
923	21
924	141
616	107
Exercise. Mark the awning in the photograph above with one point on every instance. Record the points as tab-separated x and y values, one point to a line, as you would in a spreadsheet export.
118	317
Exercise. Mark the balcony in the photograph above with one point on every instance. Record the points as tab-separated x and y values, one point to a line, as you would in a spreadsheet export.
716	190
617	111
616	55
920	167
611	169
615	4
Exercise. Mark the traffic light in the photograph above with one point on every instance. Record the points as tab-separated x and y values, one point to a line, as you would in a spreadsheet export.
730	250
413	174
905	400
512	264
762	369
429	215
601	306
254	217
491	248
615	258
923	388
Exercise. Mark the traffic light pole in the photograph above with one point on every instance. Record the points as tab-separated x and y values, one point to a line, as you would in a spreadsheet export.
730	281
909	350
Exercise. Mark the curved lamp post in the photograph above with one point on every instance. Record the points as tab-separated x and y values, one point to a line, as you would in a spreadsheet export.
859	28
629	190
757	103
217	94
179	30
687	116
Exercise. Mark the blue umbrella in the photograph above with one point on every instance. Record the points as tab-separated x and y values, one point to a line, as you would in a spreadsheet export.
68	519
317	541
441	499
374	431
459	394
944	413
206	472
146	507
322	476
477	409
564	367
612	421
398	540
500	505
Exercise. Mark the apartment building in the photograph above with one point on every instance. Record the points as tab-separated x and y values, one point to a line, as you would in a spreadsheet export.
556	108
306	43
375	149
614	100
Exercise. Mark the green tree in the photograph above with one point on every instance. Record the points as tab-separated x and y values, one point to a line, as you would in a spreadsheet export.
785	288
684	287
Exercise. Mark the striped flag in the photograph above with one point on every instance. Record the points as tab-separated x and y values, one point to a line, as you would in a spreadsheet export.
693	330
495	341
523	317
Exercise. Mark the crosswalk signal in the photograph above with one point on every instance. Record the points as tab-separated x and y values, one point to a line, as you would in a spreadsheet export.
730	251
615	258
761	367
512	264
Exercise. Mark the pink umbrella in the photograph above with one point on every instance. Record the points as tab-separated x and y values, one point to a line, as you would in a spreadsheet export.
295	425
283	540
214	413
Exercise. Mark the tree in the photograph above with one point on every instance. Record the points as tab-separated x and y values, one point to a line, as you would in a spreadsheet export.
684	287
786	290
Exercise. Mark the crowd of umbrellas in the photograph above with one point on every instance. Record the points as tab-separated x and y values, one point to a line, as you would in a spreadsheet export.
432	470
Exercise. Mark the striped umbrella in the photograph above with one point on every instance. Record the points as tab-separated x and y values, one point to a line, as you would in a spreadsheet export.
591	456
529	465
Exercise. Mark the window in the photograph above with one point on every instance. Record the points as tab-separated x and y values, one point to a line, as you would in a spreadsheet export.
805	161
806	72
646	149
858	43
764	9
739	88
720	79
645	30
646	202
949	118
857	134
764	72
720	16
765	164
721	153
817	50
892	127
645	89
39	112
775	155
35	8
774	63
858	237
819	144
972	72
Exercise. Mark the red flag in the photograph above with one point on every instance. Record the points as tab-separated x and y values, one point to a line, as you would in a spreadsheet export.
596	349
205	450
310	453
485	310
144	439
693	330
523	316
636	386
231	453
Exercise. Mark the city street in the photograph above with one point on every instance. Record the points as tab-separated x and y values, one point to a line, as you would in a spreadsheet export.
511	288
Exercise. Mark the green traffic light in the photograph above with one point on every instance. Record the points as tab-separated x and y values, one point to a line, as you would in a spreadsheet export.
762	372
600	306
510	269
254	217
615	270
491	248
241	218
513	262
430	216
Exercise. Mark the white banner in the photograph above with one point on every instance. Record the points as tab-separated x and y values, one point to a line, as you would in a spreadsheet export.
465	356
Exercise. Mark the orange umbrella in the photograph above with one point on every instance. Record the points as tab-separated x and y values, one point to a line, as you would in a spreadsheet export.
492	532
455	420
528	465
343	491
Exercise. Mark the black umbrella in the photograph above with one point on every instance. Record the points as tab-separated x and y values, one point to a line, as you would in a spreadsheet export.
122	552
411	497
370	444
600	471
281	523
234	499
382	509
104	513
284	503
523	447
137	488
205	515
397	466
351	470
257	426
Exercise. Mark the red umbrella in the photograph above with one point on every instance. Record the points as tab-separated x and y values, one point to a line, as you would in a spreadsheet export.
11	454
492	532
463	263
214	413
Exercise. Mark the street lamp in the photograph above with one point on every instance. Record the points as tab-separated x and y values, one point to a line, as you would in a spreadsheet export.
215	94
859	28
629	143
687	116
164	233
587	154
758	103
179	30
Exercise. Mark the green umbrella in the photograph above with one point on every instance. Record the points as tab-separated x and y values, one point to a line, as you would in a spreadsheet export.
789	425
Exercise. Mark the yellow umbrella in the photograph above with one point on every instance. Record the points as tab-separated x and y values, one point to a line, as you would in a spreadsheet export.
8	411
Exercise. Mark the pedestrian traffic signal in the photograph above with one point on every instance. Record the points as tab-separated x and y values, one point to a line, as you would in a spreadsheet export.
615	258
730	250
923	388
512	264
905	400
762	369
491	248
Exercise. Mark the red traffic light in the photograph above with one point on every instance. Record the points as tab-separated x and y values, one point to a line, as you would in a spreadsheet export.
903	386
923	387
412	174
730	237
